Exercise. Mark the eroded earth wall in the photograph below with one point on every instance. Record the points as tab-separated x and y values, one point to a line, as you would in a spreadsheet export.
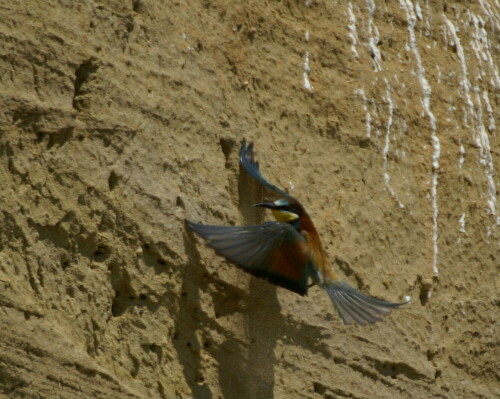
118	119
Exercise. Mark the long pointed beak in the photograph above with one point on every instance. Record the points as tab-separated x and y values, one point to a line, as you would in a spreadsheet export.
269	205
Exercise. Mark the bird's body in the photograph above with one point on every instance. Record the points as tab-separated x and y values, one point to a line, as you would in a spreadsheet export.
288	252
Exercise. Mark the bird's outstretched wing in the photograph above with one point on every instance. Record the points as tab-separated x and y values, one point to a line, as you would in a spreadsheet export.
356	307
252	167
273	251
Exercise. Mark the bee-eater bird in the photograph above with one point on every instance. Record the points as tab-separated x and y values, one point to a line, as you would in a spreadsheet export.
288	252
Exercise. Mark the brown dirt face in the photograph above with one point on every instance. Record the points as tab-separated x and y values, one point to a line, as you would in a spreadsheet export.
120	119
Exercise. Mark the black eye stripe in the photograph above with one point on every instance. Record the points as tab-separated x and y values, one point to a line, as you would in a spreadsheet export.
288	209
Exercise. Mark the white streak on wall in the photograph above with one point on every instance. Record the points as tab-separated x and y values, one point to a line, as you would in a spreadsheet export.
481	46
461	223
465	84
461	159
486	158
418	11
352	29
307	69
489	110
428	19
373	37
385	150
426	91
368	117
490	12
480	134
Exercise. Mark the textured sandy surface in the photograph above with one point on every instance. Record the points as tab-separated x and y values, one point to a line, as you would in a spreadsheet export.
120	119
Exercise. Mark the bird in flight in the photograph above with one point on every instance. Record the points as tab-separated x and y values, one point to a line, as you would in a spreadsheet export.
288	252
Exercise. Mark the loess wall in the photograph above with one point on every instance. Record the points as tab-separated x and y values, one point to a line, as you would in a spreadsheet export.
119	119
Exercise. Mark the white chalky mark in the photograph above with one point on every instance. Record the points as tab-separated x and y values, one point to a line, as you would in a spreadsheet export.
368	118
428	20
307	83
491	13
373	37
461	159
486	158
463	66
307	69
482	49
385	151
418	11
480	134
436	153
307	66
461	222
489	110
352	29
306	36
368	122
426	90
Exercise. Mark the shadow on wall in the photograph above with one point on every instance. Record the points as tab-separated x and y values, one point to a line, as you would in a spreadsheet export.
264	321
246	368
189	320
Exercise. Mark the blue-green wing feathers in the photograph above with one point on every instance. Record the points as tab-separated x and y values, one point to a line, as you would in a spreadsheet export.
247	160
274	251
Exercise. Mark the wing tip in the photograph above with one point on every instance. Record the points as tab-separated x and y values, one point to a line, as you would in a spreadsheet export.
191	225
247	157
243	148
356	307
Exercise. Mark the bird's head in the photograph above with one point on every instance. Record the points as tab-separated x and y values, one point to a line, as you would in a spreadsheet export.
284	210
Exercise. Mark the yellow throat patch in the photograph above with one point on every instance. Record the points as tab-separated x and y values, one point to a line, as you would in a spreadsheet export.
284	216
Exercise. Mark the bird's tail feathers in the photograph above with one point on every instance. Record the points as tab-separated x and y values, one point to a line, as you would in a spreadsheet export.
356	307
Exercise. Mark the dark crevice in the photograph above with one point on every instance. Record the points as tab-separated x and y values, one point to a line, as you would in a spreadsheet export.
59	138
319	388
393	370
82	75
349	271
135	366
227	145
113	180
137	6
126	297
425	289
159	257
102	253
180	202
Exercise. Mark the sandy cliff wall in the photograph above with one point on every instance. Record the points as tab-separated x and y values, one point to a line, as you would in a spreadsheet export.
120	119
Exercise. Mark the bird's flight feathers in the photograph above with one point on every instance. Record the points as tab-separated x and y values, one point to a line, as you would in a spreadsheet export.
248	162
274	251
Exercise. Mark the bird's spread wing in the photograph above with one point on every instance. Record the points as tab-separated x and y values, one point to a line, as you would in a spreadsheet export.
252	167
274	251
356	307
